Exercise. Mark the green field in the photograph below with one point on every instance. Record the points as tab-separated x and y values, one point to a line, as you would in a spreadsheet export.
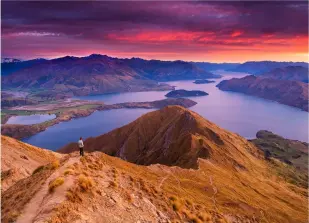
5	113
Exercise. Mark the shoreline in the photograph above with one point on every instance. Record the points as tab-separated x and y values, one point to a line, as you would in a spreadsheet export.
20	131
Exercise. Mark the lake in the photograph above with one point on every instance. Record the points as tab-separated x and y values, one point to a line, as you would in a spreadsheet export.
236	112
97	123
30	119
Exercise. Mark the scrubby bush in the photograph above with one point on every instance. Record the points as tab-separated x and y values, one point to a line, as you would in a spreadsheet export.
73	196
68	171
194	219
39	169
113	184
189	202
12	217
55	183
55	164
173	198
176	206
85	183
204	216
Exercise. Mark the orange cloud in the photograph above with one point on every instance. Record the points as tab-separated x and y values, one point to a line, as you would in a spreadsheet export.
236	33
163	36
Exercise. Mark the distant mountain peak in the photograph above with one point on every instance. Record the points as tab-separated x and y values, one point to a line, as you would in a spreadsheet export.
96	55
10	60
66	58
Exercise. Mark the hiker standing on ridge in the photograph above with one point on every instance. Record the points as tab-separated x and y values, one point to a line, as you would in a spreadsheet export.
81	146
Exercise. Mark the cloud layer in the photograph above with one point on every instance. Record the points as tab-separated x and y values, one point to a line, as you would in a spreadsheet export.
199	31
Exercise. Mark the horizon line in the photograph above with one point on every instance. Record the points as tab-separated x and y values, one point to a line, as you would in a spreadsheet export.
53	58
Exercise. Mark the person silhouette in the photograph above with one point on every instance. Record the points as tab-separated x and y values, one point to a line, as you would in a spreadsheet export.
81	146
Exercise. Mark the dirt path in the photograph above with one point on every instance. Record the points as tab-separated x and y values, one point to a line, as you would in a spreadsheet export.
215	192
162	181
41	205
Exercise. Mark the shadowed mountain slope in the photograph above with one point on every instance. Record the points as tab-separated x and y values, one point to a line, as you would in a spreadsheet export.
292	93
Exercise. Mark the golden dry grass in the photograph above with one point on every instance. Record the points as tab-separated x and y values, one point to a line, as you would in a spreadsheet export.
40	168
55	183
173	198
20	160
245	188
68	172
127	196
202	195
195	219
213	188
204	216
176	205
64	213
14	199
55	165
113	184
73	195
85	183
12	217
31	151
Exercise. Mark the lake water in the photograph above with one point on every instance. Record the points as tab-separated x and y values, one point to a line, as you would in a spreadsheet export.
96	124
236	112
30	119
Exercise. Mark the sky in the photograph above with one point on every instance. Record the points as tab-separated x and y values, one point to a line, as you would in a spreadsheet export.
191	31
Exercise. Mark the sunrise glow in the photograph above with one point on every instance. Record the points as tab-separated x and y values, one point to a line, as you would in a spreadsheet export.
191	31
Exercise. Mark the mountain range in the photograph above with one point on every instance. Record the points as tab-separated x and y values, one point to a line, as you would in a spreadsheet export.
216	66
169	165
97	74
293	73
261	67
10	60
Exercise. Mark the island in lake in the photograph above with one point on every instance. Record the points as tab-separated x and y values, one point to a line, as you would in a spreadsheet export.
203	81
184	93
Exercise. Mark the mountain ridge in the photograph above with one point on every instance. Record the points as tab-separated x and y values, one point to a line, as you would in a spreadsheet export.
260	67
98	74
19	160
293	73
234	183
183	135
292	93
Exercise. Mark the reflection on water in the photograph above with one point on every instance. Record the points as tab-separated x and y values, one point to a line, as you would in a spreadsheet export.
236	112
